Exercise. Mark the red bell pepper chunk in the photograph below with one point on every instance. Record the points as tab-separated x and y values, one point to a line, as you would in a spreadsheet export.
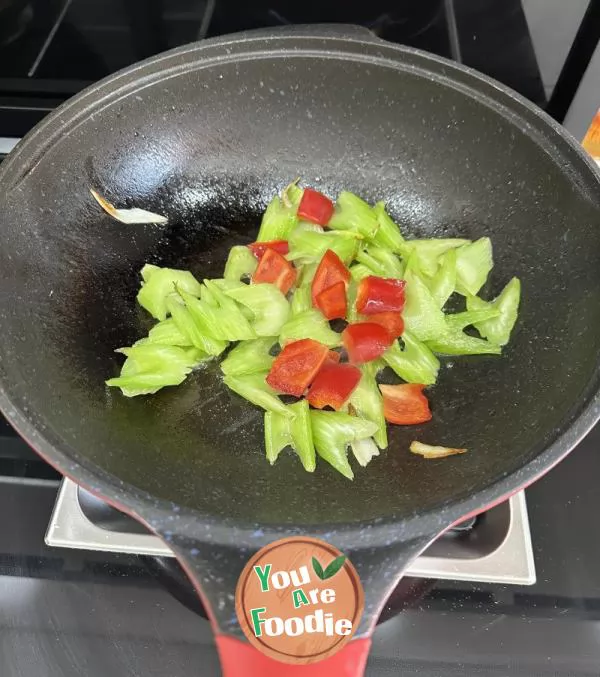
332	301
294	369
366	341
259	248
330	271
333	385
405	404
392	321
275	269
315	207
380	294
333	357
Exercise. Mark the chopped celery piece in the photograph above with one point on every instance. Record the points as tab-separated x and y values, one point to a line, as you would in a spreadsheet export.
415	363
255	389
367	401
224	322
240	262
443	283
277	434
302	437
359	271
333	431
392	265
381	262
158	283
351	312
249	357
428	252
498	329
308	245
309	324
280	217
148	368
191	322
470	317
422	315
165	333
302	300
453	341
234	324
364	450
269	306
473	264
294	430
353	214
388	234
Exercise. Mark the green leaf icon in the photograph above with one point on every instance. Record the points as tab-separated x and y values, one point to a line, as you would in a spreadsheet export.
333	567
318	568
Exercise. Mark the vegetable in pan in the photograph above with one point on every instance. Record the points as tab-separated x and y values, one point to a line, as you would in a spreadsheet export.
325	299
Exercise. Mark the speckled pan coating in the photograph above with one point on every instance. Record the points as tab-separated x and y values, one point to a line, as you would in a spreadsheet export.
206	134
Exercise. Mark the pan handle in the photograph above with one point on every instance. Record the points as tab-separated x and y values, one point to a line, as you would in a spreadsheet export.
214	571
239	659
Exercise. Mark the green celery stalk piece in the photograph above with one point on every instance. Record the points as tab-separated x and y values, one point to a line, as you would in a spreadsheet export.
359	271
191	324
150	367
219	323
249	357
428	252
415	363
233	322
353	214
443	283
333	431
270	307
498	329
422	315
277	435
453	341
392	265
241	262
375	267
309	246
388	234
471	317
301	300
473	264
364	450
280	217
381	262
367	401
255	389
158	283
309	324
351	312
302	436
165	333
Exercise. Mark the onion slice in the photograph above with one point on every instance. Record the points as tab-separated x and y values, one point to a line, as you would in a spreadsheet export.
129	216
428	451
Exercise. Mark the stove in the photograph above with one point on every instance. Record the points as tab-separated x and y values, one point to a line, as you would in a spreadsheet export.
495	547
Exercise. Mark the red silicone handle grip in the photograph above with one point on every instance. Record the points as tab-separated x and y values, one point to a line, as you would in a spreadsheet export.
240	659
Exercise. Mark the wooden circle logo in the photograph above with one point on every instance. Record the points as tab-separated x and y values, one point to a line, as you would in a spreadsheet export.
299	600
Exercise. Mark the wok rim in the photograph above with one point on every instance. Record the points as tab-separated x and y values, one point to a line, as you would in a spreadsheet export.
192	524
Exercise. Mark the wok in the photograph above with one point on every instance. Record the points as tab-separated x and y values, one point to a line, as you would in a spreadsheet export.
206	134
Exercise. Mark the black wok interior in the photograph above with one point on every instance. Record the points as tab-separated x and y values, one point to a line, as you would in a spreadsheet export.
208	145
